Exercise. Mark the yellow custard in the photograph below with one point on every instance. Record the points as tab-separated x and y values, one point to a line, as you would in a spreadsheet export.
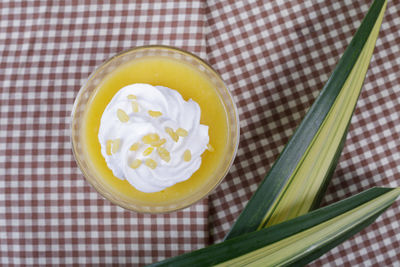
190	83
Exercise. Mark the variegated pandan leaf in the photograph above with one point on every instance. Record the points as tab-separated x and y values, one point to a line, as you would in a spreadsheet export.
298	178
297	241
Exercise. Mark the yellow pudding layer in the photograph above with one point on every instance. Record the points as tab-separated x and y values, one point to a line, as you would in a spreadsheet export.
190	83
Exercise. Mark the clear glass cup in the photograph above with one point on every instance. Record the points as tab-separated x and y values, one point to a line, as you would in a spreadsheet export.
89	88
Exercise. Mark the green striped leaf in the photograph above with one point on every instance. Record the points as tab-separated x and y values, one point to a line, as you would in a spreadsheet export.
297	241
298	178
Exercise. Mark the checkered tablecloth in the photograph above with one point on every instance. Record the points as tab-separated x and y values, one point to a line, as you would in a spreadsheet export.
275	56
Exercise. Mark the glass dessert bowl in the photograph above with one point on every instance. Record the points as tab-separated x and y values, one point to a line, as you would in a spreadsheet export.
154	66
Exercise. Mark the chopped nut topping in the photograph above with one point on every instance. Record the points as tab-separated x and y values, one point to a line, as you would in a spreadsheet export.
115	146
150	138
154	114
151	163
171	133
131	97
210	148
134	147
112	146
122	116
159	143
135	164
148	151
181	132
135	106
108	147
187	156
164	154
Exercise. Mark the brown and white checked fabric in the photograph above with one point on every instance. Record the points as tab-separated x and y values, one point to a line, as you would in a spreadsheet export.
274	56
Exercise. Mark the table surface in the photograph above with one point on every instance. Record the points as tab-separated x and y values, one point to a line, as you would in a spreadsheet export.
275	57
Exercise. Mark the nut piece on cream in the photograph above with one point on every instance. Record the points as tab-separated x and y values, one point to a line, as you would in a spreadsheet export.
155	126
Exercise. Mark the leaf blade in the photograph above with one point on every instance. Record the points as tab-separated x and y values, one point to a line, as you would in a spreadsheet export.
276	242
319	238
266	206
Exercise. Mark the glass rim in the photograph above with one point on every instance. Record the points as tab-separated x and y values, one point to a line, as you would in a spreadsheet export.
235	138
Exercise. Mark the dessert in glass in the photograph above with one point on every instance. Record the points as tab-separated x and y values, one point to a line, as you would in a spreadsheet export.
154	129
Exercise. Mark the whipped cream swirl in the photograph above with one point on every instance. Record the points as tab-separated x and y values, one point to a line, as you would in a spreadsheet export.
152	137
